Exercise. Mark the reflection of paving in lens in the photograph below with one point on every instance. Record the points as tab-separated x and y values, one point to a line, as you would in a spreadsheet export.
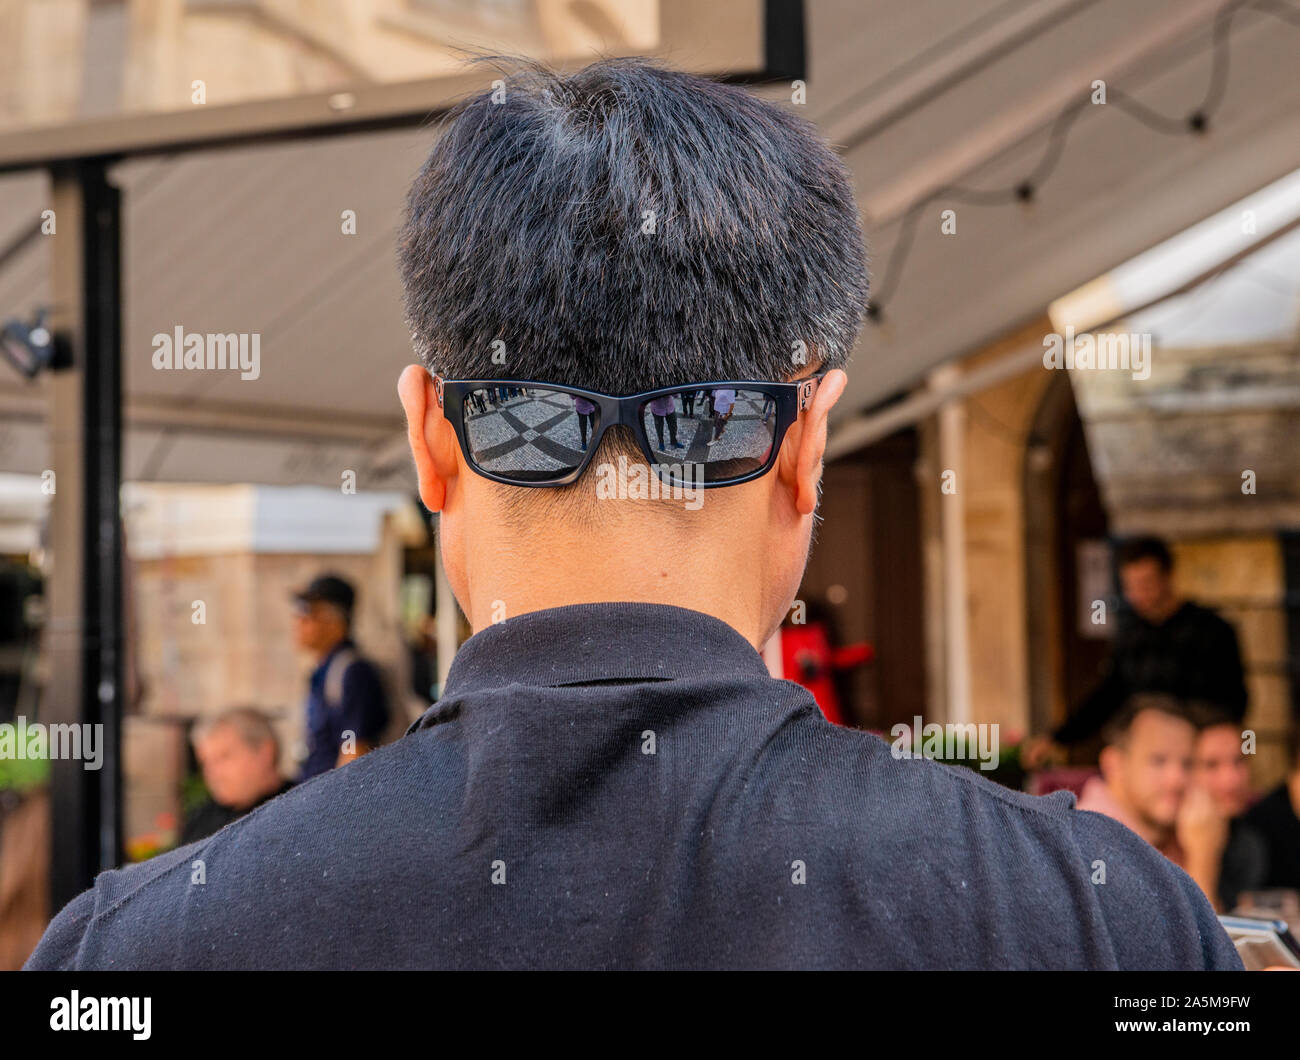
742	448
538	432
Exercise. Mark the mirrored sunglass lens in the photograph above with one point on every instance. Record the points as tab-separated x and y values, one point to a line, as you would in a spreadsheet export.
528	434
710	435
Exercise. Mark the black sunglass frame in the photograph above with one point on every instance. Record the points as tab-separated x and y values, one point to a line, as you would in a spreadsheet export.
791	398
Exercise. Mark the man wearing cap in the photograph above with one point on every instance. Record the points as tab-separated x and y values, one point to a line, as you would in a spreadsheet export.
346	706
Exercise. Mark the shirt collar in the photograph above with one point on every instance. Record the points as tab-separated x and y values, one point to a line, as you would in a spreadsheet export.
584	643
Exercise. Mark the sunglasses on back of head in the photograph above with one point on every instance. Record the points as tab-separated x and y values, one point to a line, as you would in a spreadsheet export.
526	433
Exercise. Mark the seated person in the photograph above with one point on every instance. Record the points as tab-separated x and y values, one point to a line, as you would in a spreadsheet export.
1275	819
1146	785
1221	768
240	757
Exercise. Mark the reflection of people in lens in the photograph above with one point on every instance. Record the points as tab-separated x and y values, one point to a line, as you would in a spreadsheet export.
688	403
768	407
724	403
662	407
586	416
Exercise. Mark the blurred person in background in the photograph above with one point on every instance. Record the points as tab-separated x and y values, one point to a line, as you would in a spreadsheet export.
1164	644
1275	819
1221	768
1146	765
811	654
347	708
239	755
1148	784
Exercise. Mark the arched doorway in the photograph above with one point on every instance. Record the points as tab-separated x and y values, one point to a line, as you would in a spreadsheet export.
1066	528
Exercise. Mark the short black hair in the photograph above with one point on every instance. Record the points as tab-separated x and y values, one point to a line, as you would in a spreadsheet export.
1205	714
1137	549
529	224
1115	732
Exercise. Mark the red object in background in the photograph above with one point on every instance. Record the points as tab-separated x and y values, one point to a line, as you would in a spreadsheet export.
1062	778
809	658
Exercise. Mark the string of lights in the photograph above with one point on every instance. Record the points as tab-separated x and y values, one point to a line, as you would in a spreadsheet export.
1195	123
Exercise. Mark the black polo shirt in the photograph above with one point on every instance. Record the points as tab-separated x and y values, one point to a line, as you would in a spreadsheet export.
624	786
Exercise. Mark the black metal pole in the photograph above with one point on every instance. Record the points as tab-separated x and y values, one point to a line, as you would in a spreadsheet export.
86	585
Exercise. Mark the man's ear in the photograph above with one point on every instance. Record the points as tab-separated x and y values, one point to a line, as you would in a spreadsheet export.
800	462
1109	762
432	439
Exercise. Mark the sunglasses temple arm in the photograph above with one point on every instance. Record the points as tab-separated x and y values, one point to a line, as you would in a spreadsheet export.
807	388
